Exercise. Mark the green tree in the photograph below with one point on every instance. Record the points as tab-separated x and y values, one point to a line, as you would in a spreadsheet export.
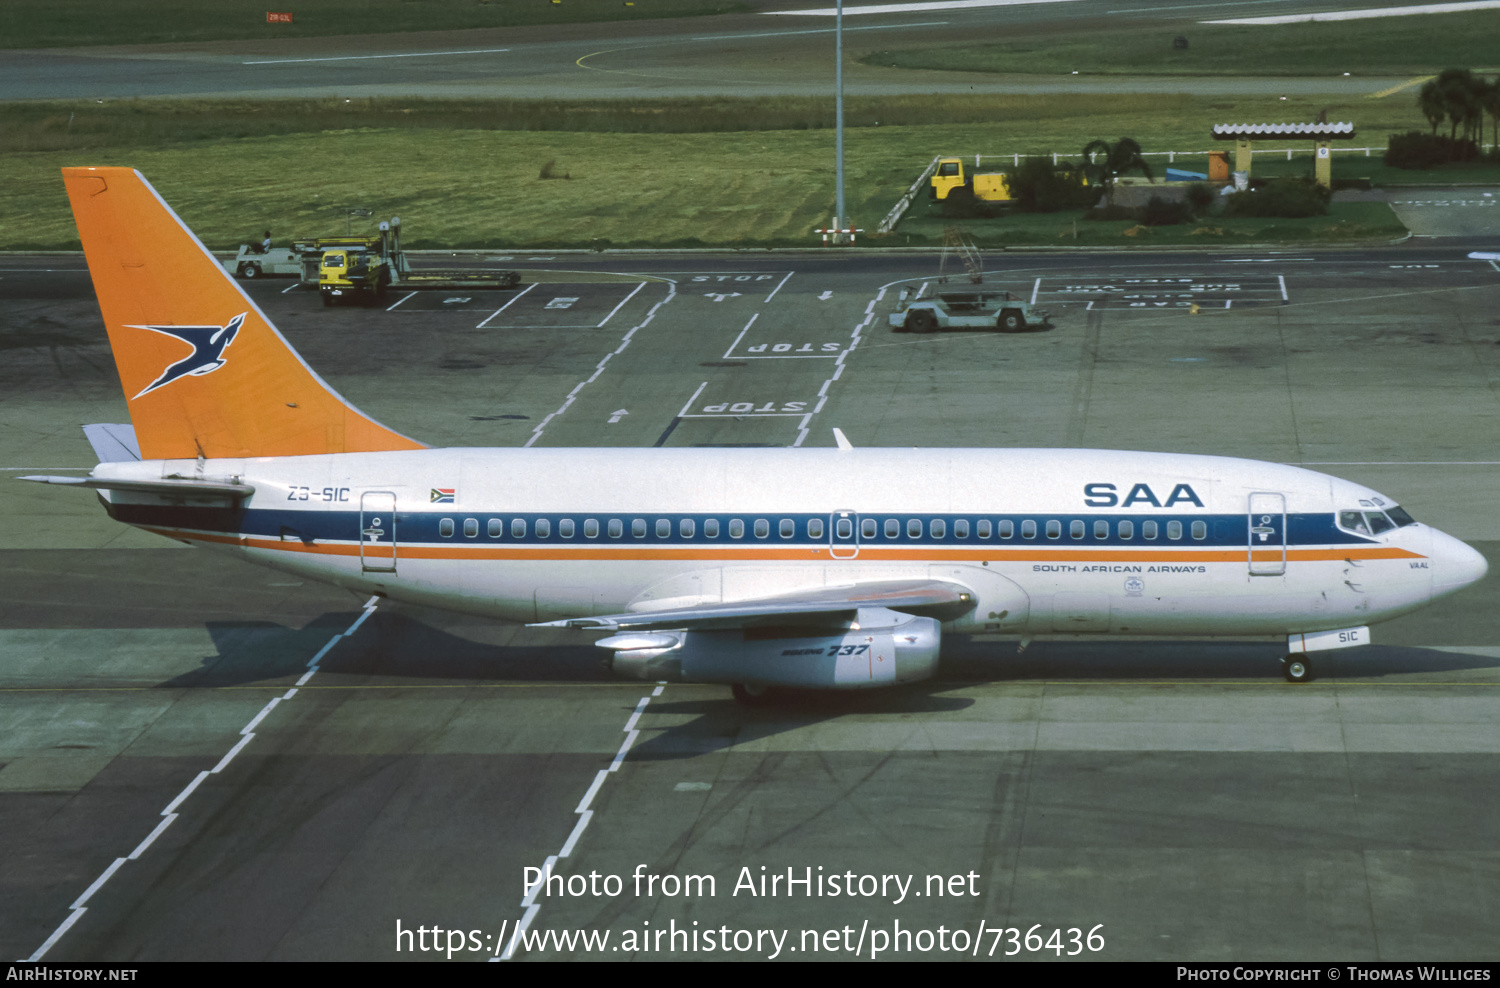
1430	99
1103	162
1490	100
1041	187
1462	100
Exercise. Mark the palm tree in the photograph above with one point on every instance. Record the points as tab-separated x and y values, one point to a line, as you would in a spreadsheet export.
1430	99
1461	100
1103	161
1490	100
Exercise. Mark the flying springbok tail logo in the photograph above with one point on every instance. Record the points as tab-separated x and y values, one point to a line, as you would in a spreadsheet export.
208	343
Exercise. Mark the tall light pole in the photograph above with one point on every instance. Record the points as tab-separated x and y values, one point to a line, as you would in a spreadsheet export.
840	221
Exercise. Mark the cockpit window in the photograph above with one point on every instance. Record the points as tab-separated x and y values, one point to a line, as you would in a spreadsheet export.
1369	522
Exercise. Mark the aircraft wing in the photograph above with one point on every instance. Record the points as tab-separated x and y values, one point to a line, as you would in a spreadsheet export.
932	598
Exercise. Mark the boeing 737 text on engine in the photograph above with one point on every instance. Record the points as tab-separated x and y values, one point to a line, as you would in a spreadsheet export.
825	568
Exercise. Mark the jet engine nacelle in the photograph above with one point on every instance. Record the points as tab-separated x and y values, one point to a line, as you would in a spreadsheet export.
880	648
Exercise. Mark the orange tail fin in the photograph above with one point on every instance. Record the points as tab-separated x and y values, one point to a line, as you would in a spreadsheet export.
204	371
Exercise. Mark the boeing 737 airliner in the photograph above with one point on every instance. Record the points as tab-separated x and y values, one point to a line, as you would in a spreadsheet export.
827	568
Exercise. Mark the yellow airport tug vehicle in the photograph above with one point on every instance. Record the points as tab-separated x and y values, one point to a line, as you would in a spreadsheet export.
984	186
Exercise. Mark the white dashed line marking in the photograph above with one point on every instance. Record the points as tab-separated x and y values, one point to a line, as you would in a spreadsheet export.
585	815
838	370
599	367
77	909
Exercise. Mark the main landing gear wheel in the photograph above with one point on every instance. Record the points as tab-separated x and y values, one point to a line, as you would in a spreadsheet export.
751	695
1297	669
1011	321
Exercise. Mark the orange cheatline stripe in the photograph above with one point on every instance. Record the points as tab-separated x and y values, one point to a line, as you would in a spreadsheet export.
753	553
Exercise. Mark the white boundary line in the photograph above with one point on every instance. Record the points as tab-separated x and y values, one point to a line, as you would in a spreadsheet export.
747	415
1194	6
789	356
585	815
404	298
906	8
820	30
599	369
779	284
77	909
507	304
360	58
1358	15
683	413
742	335
617	308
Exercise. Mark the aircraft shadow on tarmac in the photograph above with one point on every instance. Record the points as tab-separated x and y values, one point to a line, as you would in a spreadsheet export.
405	645
391	645
1196	661
1030	328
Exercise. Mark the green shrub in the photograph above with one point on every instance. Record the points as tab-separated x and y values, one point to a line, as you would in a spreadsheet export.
1280	197
1165	212
1416	150
1039	186
1200	197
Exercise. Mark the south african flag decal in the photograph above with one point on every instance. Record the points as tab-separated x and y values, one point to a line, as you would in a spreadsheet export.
444	495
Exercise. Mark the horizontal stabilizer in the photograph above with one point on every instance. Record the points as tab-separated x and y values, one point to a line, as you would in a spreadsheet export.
185	487
933	598
113	442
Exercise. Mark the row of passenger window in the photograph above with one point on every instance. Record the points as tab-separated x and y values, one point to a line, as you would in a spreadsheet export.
870	529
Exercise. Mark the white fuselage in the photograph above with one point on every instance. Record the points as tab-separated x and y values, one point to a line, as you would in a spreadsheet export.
1050	541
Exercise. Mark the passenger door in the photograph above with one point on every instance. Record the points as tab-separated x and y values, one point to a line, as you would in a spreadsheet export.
1267	550
377	532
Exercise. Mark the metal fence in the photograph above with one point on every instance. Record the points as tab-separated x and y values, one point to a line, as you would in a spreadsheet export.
1172	156
897	211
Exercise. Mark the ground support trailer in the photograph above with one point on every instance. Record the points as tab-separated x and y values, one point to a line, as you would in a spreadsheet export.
365	268
253	263
967	310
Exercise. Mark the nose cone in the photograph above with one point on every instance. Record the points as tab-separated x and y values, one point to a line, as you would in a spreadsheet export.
1455	565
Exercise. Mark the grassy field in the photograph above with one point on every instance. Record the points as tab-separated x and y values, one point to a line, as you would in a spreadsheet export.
1346	222
56	23
1415	45
233	170
87	125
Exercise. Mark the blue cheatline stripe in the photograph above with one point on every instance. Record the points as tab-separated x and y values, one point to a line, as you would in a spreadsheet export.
426	527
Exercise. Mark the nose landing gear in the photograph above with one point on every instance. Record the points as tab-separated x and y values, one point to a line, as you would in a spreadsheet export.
1296	668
